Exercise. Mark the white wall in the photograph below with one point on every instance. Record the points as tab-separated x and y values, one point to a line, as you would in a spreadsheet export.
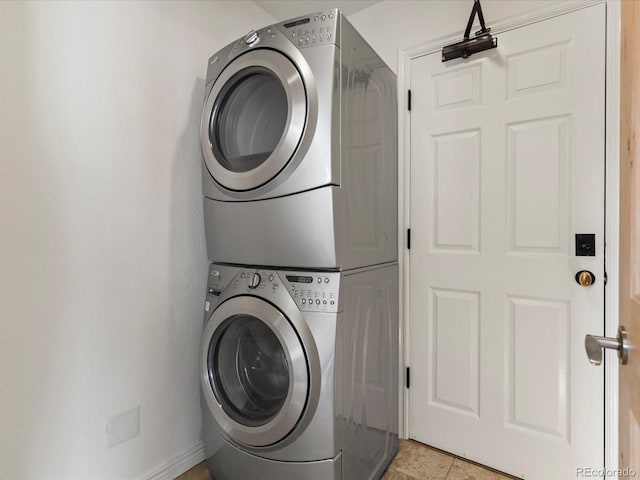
102	258
399	24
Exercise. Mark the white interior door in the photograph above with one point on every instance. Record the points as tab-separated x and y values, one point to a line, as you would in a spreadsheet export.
507	165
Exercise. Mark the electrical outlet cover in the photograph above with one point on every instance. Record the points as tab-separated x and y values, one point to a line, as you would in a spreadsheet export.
123	426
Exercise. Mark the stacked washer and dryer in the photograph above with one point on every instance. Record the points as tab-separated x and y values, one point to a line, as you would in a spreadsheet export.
299	355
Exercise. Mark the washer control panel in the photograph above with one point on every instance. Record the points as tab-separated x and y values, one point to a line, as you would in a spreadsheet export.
314	292
311	291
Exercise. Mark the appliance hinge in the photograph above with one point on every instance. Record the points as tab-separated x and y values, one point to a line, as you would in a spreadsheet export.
408	379
408	239
409	99
606	278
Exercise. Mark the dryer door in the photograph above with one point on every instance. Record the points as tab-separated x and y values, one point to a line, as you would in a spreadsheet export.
253	120
254	371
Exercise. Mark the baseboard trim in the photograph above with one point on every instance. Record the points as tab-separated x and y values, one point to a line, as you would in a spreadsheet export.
178	465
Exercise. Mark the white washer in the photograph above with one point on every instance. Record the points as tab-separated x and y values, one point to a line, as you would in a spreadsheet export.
299	139
299	373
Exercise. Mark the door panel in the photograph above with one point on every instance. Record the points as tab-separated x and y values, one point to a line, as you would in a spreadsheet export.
629	408
507	165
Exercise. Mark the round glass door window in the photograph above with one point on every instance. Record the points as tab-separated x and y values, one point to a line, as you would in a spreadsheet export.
250	116
248	370
253	120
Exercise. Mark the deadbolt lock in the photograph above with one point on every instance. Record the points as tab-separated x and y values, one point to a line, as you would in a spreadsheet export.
585	278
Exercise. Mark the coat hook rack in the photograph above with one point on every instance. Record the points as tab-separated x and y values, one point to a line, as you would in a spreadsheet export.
467	47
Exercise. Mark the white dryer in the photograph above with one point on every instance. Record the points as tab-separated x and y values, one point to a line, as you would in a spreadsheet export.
298	134
299	373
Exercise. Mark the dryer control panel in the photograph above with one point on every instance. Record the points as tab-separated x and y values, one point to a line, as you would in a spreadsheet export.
316	29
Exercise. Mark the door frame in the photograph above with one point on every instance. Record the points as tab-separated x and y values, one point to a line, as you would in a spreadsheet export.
612	186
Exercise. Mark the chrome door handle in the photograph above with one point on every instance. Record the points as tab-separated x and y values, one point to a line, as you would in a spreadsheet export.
595	345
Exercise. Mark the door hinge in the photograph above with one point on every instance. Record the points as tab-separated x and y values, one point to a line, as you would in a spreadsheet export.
408	239
606	278
409	99
408	379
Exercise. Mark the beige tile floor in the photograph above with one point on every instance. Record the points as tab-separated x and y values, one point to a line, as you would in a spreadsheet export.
414	461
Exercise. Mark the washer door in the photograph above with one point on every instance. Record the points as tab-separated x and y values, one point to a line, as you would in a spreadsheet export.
254	371
253	120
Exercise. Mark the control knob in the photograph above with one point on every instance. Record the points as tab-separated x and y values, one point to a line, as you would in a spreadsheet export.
255	280
251	37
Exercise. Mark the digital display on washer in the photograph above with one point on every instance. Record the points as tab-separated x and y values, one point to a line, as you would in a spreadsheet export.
297	22
299	279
